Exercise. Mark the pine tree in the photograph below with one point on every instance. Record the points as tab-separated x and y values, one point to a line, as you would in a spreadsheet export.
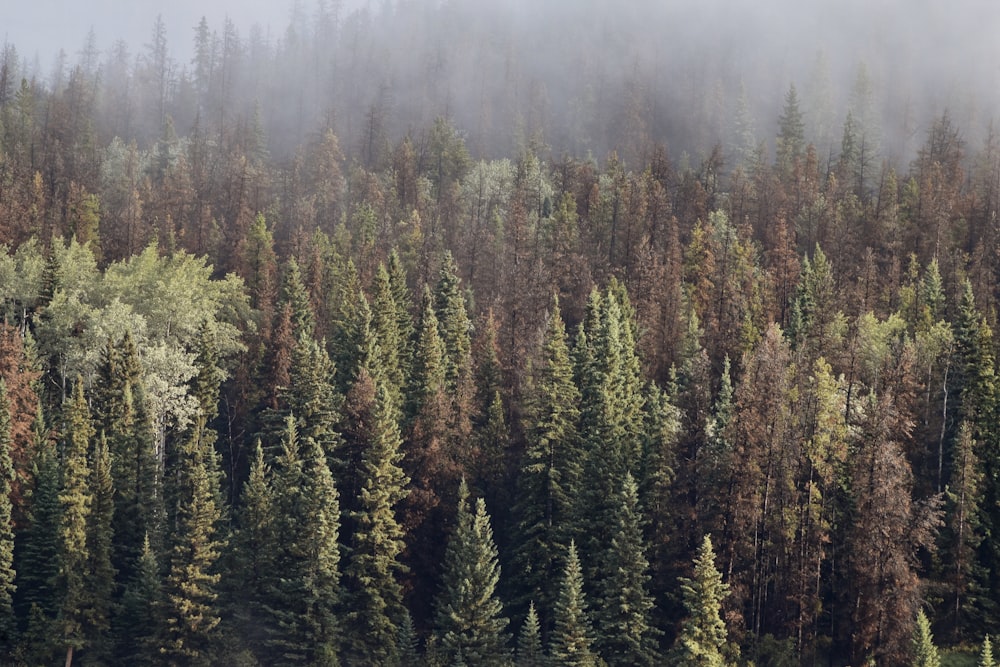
393	342
469	620
374	594
191	586
550	473
986	654
572	636
454	326
925	653
100	540
140	620
254	550
791	133
626	636
294	294
8	622
305	591
406	643
121	416
703	634
75	500
529	642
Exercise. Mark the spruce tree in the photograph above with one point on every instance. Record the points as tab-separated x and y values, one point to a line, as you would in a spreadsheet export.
626	635
703	634
469	620
100	539
454	326
393	342
572	637
75	500
293	293
191	588
925	653
305	591
986	654
529	641
371	576
549	477
140	621
8	622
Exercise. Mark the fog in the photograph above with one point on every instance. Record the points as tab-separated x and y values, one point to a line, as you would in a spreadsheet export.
574	76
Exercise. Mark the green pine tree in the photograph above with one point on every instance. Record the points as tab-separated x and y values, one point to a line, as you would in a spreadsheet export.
986	654
374	594
394	344
626	635
469	620
454	326
703	634
191	587
100	539
549	478
572	637
294	293
8	622
140	621
305	584
925	653
529	642
75	498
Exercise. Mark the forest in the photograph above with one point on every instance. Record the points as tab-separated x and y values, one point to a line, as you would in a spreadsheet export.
422	335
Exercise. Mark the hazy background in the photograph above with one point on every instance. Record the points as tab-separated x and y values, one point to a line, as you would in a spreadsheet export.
573	75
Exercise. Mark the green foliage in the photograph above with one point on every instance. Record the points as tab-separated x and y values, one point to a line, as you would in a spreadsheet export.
8	622
986	654
469	616
925	653
549	479
626	633
572	638
703	635
529	642
139	622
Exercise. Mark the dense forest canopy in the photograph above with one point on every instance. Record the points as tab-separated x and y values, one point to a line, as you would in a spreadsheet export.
491	333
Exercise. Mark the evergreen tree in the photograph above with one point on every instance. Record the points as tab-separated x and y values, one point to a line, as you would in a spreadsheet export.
373	592
305	590
394	343
925	653
37	546
191	588
626	635
254	549
293	293
469	620
986	654
406	643
529	642
572	636
100	540
703	635
8	622
140	620
121	416
75	500
791	133
454	326
550	473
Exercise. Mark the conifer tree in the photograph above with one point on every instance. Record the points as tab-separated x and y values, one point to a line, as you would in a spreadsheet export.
454	326
529	641
140	621
925	653
305	591
192	616
8	622
100	539
549	474
986	654
293	293
38	545
393	342
406	652
254	550
626	635
469	620
373	591
703	634
121	416
75	500
572	636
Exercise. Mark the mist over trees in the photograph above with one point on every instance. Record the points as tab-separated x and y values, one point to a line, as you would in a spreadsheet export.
492	333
